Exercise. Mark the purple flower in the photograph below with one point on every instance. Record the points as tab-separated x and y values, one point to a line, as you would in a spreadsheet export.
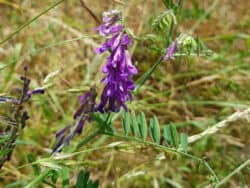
170	51
109	23
82	114
25	92
118	68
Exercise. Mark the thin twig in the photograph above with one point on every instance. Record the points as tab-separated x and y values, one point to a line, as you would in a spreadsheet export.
30	21
238	169
90	12
203	17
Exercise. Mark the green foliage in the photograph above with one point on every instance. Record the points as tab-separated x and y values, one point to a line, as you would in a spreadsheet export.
164	21
126	122
155	131
142	122
184	142
31	159
84	181
134	124
139	124
65	177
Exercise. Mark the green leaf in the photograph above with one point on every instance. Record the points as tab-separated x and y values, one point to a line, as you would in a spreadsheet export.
198	46
142	125
99	117
96	184
86	178
134	123
4	138
65	177
54	176
155	131
32	158
167	135
184	142
126	122
174	135
110	127
80	180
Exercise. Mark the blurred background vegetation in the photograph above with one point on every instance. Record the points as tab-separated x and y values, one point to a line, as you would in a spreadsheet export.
194	93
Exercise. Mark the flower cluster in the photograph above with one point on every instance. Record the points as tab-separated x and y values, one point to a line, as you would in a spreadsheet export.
82	114
118	67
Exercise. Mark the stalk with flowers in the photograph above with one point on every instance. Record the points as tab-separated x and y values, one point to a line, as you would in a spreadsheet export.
108	103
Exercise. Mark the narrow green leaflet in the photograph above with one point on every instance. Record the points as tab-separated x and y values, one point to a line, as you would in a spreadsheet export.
155	131
96	184
134	123
174	135
93	184
84	181
184	142
80	180
198	50
142	125
167	135
126	122
65	177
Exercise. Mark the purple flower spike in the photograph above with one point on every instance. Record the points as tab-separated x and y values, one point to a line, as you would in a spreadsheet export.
170	51
82	114
118	68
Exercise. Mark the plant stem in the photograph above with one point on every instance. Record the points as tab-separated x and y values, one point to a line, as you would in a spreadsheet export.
145	76
83	3
166	149
87	139
224	180
203	17
30	21
38	179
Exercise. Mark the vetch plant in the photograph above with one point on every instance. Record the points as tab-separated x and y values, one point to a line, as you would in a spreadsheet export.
118	89
17	120
108	113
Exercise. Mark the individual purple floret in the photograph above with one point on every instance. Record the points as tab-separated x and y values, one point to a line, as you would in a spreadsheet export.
170	51
25	92
82	114
118	68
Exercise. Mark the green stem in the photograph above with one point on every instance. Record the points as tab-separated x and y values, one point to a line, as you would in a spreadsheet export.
203	17
224	180
38	179
87	139
30	21
164	148
145	76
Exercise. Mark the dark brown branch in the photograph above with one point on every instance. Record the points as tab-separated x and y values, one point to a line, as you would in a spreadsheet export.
90	12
